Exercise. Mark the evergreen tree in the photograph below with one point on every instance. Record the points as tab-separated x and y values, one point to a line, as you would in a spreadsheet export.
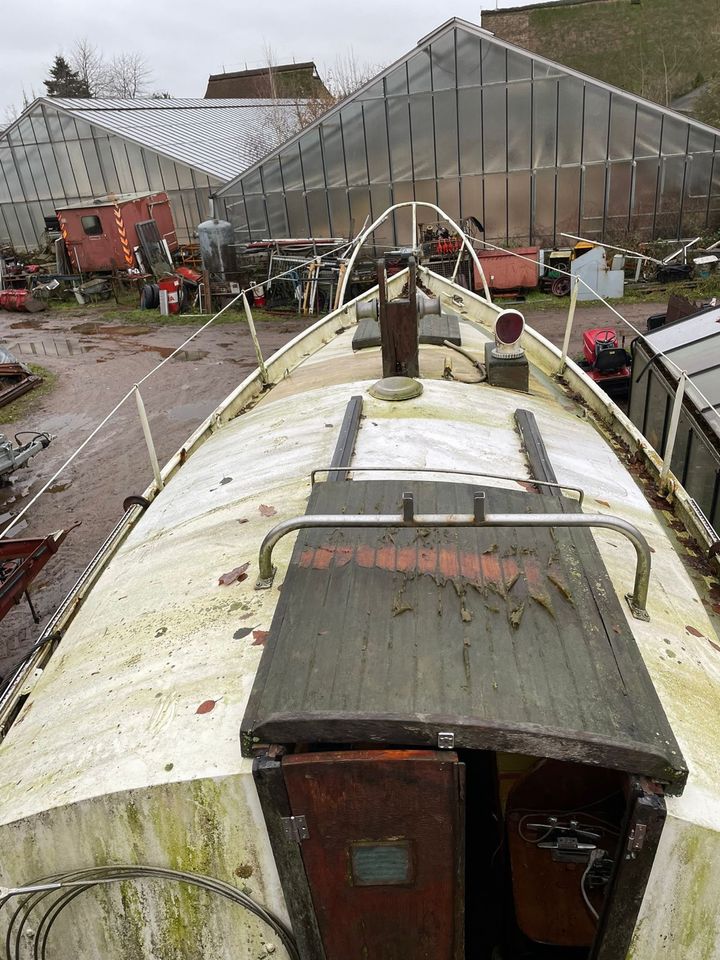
64	81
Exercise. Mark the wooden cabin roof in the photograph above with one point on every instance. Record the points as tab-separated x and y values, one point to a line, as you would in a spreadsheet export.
503	635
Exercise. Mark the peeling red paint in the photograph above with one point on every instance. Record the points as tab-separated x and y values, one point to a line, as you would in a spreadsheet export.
259	637
207	706
267	511
693	631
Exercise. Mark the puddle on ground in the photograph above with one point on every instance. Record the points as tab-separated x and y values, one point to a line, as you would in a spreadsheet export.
28	324
59	487
50	347
111	330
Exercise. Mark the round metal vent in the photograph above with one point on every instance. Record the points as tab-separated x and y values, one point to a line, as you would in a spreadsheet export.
396	388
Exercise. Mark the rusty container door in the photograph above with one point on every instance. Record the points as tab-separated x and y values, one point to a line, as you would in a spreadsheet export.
384	850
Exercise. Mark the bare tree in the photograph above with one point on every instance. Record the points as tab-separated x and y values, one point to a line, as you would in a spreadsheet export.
291	112
89	63
129	75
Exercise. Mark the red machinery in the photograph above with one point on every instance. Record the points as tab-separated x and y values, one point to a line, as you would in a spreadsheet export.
21	301
605	360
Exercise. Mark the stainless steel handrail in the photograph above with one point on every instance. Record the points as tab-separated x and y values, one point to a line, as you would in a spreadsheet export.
458	473
637	600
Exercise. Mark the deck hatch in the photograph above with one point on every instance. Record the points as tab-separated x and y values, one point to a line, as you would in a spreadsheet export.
509	638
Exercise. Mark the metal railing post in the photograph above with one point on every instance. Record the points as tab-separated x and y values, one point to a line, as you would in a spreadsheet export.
570	321
672	431
256	343
148	439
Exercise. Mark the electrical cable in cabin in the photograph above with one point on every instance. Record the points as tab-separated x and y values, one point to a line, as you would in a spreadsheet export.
71	885
594	855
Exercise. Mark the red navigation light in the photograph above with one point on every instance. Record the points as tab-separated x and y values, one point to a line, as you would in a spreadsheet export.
509	327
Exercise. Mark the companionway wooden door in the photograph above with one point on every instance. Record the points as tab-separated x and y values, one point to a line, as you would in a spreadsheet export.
383	850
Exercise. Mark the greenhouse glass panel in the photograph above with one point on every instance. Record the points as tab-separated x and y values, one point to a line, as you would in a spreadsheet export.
374	92
339	212
40	129
318	213
92	165
152	165
494	63
701	141
354	140
645	186
297	214
53	124
472	198
423	136
494	128
402	192
137	167
542	71
291	168
376	138
622	128
84	130
443	62
184	174
419	73
674	137
518	66
24	131
519	204
519	107
648	131
595	124
5	162
37	172
543	207
68	127
568	201
446	133
426	190
449	197
169	174
620	176
468	59
107	164
496	208
359	207
570	120
671	183
277	215
122	165
252	184
333	152
66	172
699	174
399	138
380	200
593	193
396	83
271	177
544	128
312	161
470	130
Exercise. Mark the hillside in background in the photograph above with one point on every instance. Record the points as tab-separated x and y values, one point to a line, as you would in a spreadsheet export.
659	49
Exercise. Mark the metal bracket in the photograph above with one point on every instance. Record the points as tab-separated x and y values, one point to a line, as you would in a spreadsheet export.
446	740
295	828
636	840
640	613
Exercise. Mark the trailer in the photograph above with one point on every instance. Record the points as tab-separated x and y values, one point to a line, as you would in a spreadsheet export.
102	235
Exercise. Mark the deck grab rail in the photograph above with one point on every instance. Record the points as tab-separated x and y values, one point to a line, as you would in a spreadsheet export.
637	600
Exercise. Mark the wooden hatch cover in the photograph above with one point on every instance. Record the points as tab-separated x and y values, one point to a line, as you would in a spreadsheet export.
511	639
382	846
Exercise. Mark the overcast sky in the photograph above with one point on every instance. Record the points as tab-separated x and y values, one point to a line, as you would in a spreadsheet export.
186	42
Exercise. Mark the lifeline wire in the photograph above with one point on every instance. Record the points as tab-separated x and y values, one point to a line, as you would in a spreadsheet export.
147	376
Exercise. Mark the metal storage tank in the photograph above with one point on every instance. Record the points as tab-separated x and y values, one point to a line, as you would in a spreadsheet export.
217	239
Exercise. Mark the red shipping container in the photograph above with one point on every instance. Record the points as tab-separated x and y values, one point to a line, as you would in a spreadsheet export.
503	271
100	235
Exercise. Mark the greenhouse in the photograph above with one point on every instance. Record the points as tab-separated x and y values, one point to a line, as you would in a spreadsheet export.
484	129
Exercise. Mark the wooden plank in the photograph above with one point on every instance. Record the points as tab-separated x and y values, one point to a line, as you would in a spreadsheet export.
288	859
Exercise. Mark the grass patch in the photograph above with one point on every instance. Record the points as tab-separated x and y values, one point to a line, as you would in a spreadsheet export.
21	407
112	312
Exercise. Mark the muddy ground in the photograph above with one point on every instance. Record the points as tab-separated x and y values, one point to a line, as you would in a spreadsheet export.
94	363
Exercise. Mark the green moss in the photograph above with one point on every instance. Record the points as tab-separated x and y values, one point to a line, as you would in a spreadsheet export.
24	405
131	922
